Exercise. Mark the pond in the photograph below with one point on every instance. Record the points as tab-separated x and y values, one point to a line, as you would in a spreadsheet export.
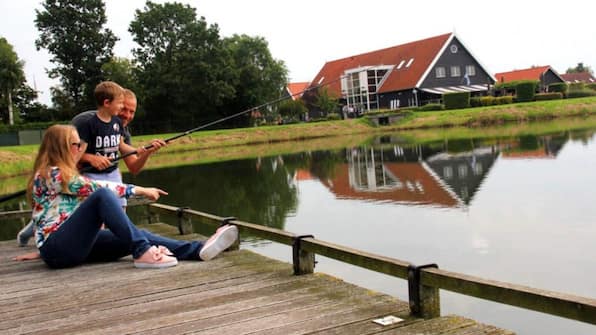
515	209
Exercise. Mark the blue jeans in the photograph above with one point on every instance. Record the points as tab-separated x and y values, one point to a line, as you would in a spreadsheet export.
80	238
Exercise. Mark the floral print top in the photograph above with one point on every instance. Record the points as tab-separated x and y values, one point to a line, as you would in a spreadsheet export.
52	205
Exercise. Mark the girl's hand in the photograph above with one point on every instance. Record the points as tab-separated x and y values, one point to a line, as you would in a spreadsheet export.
150	193
27	257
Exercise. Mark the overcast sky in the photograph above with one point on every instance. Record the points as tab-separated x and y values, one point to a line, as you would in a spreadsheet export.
503	35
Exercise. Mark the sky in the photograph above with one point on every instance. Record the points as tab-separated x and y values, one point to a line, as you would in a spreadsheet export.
503	35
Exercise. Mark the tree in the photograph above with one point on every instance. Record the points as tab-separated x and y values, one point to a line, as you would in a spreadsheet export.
11	75
121	71
183	70
292	109
326	102
258	77
580	68
72	31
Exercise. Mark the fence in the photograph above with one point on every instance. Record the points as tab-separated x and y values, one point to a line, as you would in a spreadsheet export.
424	281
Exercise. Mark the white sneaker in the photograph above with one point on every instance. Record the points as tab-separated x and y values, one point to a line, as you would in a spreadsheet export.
223	238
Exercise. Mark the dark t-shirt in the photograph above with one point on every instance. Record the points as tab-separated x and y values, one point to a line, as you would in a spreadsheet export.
102	138
83	117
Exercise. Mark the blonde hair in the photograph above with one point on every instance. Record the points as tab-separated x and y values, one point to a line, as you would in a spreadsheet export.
54	151
107	90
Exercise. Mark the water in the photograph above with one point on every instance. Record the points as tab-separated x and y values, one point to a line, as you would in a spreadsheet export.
519	210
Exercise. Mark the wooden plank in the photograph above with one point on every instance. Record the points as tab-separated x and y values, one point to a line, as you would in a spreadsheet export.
239	292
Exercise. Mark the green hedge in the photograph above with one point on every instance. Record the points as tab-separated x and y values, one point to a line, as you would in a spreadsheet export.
4	128
504	100
591	86
431	107
549	96
456	100
581	93
576	86
525	91
512	85
558	87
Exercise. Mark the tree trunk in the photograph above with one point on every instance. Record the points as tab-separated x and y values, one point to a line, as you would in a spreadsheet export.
10	117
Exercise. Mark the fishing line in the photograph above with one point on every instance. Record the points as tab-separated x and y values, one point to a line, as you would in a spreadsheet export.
188	132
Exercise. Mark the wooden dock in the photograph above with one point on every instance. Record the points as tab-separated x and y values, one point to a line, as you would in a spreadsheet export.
239	292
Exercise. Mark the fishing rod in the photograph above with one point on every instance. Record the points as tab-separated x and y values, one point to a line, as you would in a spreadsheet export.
188	132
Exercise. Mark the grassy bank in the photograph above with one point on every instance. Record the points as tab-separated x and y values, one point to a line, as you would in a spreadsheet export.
216	145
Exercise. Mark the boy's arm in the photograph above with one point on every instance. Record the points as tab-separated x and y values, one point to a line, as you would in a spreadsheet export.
135	163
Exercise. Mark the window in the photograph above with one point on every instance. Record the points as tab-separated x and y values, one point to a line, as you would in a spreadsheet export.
453	48
410	62
455	71
440	71
470	70
401	64
447	172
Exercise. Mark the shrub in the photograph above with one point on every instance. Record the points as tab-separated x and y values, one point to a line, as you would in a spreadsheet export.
456	100
591	86
333	116
504	100
525	91
549	96
576	86
475	102
431	107
558	87
581	93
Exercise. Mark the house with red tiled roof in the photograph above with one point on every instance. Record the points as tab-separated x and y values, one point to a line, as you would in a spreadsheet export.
410	74
546	75
295	90
578	77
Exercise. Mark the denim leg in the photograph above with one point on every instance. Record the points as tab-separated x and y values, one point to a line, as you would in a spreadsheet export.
72	243
183	250
108	247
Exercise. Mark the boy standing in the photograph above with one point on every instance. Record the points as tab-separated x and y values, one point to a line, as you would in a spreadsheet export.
102	134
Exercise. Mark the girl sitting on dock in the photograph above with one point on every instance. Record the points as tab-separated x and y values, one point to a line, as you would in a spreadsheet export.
69	209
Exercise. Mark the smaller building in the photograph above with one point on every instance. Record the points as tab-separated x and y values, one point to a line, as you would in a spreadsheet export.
295	90
579	77
545	75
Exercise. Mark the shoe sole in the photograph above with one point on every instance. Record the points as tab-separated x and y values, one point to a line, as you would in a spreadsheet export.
140	265
220	242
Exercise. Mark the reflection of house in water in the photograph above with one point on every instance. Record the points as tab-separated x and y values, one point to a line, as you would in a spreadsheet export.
410	175
532	147
463	172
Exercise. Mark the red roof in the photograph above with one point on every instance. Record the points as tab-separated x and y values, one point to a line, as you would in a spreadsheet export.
296	89
579	77
532	73
419	54
428	189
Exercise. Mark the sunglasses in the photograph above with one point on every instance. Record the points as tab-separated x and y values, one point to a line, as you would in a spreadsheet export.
77	144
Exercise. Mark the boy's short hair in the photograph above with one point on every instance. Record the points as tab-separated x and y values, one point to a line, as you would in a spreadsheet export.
107	90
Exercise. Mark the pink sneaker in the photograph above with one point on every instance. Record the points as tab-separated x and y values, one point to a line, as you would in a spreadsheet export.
223	238
155	258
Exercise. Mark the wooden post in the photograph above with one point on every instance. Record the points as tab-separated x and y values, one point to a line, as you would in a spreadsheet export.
425	301
152	216
184	222
304	261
